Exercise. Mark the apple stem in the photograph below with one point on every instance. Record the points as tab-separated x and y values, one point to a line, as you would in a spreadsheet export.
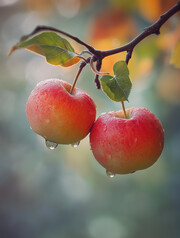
124	110
94	70
83	64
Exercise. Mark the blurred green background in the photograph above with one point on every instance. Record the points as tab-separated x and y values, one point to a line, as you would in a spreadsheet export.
65	193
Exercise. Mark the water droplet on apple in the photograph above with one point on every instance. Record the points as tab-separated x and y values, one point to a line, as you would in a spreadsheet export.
75	145
47	121
110	174
51	145
109	157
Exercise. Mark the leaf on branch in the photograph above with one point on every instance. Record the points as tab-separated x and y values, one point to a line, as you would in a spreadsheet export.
175	58
117	87
57	50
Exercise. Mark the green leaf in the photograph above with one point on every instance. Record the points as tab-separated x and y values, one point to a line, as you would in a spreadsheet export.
118	87
57	50
175	59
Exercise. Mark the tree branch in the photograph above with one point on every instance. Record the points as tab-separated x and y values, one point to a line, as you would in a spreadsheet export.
96	80
152	29
48	28
100	54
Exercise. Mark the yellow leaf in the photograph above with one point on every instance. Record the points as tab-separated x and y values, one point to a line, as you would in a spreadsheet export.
72	61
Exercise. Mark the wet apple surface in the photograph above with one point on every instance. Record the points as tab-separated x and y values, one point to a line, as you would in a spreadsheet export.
59	116
123	145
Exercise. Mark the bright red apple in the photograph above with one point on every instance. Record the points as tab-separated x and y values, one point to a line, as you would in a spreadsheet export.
125	145
57	115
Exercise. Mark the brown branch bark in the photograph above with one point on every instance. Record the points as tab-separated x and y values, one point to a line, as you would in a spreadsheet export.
99	55
152	29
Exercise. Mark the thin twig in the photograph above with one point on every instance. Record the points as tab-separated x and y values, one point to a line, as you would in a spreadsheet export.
152	29
95	70
48	28
124	110
85	52
99	55
96	80
82	65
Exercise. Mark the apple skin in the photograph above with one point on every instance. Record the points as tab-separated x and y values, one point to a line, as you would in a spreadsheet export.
57	115
123	145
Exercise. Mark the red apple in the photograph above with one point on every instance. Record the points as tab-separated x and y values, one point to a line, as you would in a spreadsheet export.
125	145
57	115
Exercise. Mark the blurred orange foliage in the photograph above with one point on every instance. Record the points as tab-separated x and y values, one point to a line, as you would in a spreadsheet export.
111	28
152	9
168	85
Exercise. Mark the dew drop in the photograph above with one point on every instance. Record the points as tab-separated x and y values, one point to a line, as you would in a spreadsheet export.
109	157
51	145
105	128
110	174
47	121
75	145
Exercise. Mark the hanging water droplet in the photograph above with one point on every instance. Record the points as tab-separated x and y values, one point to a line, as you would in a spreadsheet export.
75	145
110	174
51	145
